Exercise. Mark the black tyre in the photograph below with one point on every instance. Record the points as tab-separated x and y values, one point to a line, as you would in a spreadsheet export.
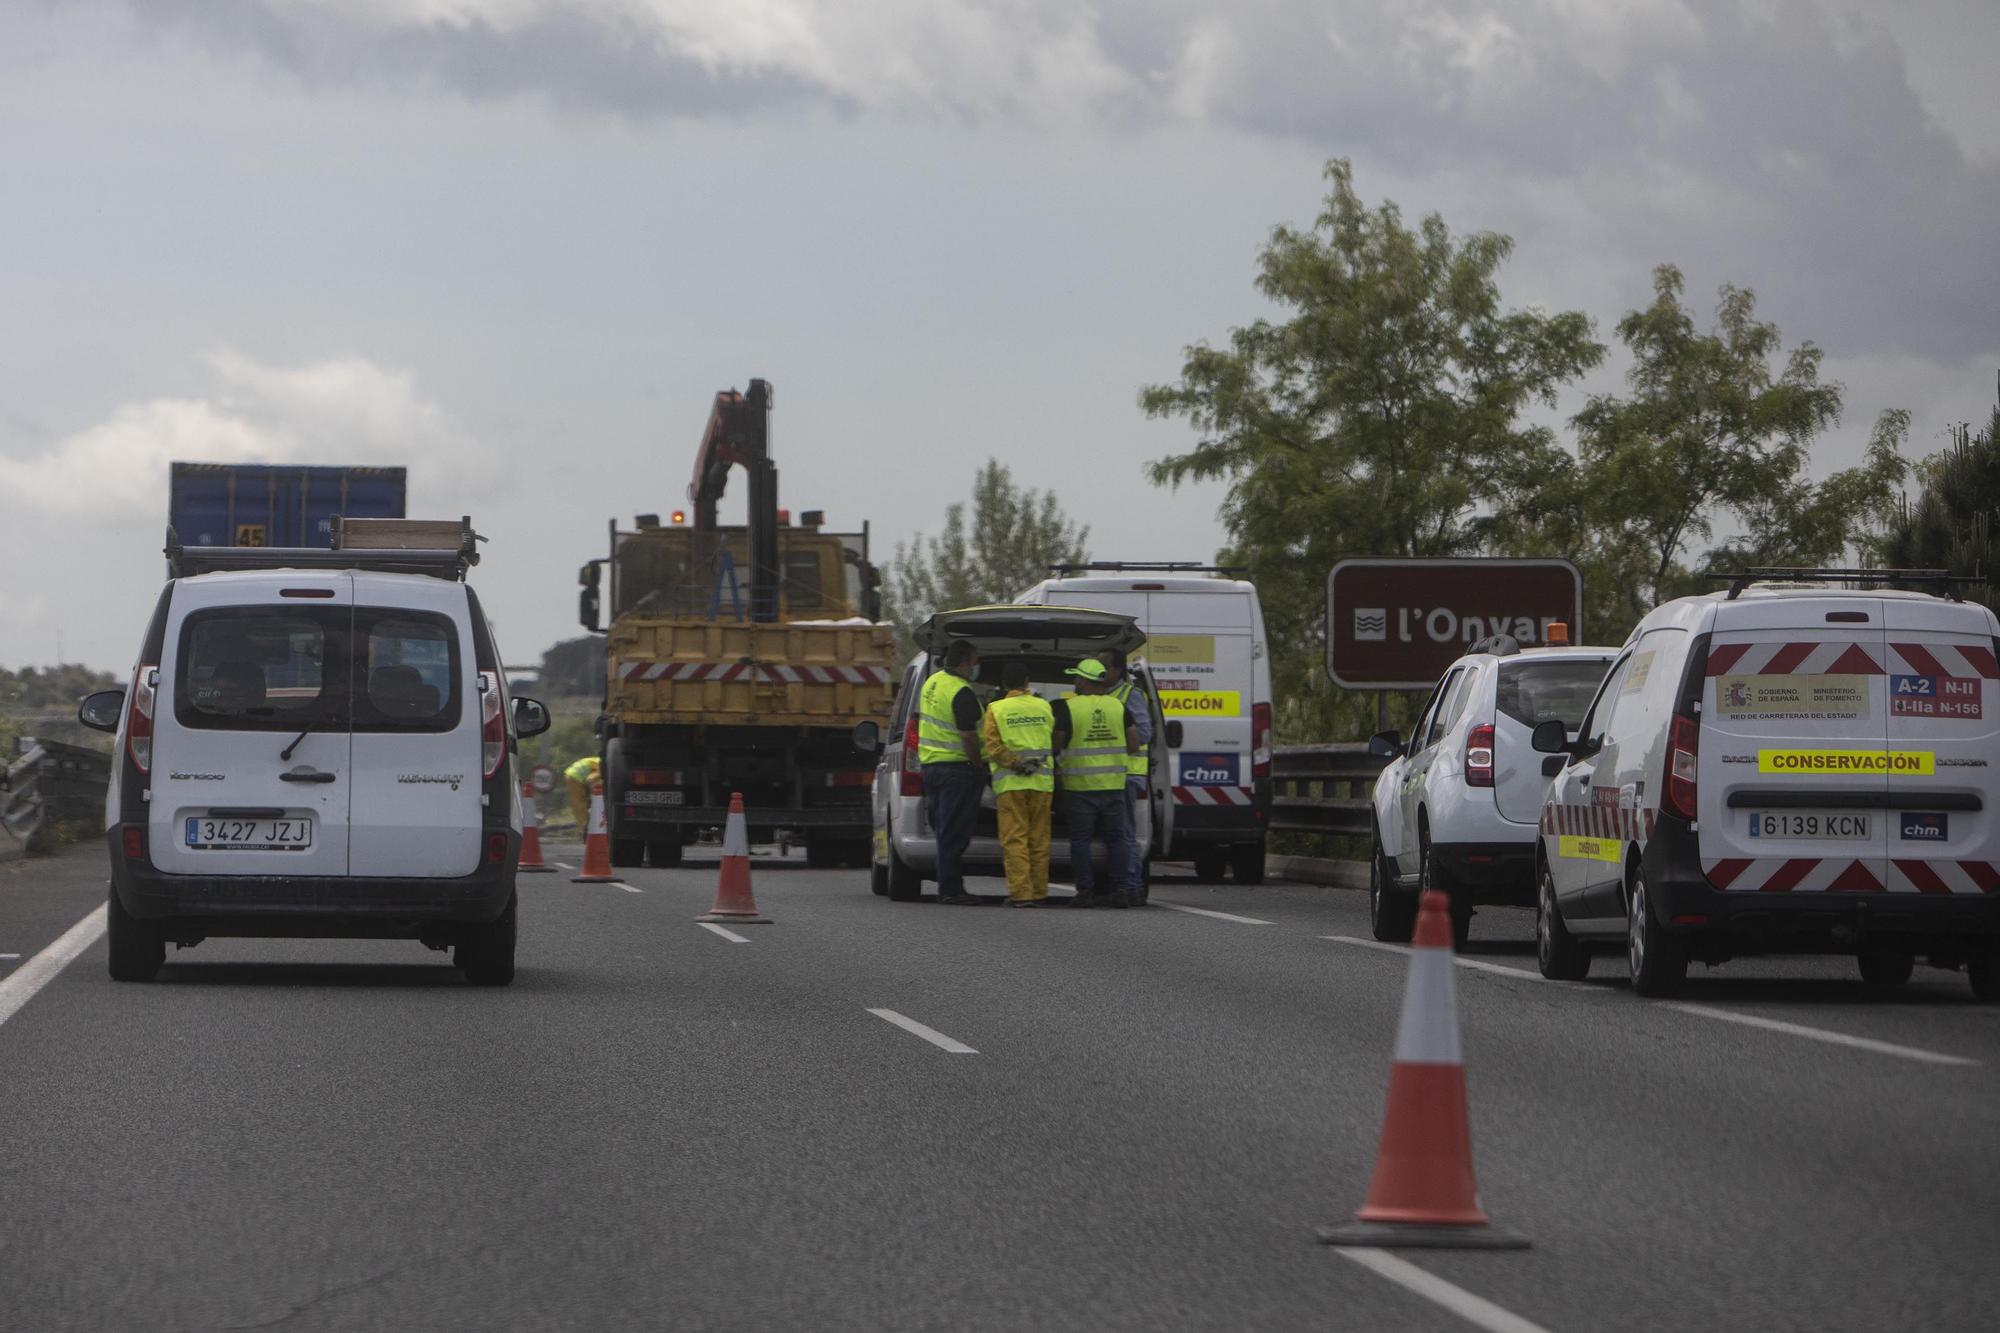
1560	955
1392	914
878	880
1887	967
1984	974
664	855
485	953
136	947
1431	875
905	884
1246	862
1210	863
627	852
822	853
1659	961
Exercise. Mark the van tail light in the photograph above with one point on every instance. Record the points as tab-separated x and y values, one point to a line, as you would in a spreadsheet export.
1683	752
1479	756
1260	742
139	717
492	726
496	849
133	838
913	773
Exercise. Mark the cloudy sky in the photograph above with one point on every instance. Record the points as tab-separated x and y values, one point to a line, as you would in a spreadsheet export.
517	244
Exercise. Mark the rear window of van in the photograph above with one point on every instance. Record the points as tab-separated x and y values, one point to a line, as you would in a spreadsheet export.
1536	692
271	668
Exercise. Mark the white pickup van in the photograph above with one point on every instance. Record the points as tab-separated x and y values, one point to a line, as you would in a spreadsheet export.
1207	654
315	744
1789	766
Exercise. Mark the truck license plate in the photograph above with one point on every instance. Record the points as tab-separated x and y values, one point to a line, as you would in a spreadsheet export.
1802	824
655	798
255	835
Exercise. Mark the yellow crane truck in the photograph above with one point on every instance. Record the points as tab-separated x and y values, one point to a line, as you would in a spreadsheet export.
740	659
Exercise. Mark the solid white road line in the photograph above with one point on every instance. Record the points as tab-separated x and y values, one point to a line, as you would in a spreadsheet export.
9	955
1476	964
1916	1053
629	889
931	1035
729	935
1203	911
20	985
1473	1309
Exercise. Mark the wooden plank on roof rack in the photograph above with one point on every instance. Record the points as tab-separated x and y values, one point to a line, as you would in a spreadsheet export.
401	534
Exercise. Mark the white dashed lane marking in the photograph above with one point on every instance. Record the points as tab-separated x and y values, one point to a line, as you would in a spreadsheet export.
1203	911
729	935
1475	1310
931	1035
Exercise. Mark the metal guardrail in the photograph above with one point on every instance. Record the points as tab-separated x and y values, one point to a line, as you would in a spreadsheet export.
50	784
1323	789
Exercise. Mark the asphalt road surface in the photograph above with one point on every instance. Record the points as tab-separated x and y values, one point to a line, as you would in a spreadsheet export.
657	1126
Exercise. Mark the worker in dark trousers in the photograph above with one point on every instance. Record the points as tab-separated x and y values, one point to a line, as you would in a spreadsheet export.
1091	744
954	768
1138	724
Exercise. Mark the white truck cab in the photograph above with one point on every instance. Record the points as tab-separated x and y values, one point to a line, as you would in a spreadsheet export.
1207	653
1804	763
315	743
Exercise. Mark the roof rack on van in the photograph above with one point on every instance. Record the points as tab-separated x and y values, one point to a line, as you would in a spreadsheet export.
1938	580
1151	566
437	547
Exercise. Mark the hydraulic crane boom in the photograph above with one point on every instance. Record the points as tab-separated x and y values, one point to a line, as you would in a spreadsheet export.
739	434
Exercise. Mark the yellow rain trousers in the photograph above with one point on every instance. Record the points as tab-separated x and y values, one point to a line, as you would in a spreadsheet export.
1024	841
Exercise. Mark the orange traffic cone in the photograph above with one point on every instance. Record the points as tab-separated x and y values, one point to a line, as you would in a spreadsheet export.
1423	1193
596	845
733	902
531	835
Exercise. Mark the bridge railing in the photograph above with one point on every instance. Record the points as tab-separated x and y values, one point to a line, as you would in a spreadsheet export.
52	784
1323	789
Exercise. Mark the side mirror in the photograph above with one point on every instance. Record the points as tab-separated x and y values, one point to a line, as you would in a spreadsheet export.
102	710
531	717
587	609
1386	744
867	737
1176	734
1551	737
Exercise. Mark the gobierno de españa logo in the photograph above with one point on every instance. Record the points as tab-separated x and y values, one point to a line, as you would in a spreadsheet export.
1848	763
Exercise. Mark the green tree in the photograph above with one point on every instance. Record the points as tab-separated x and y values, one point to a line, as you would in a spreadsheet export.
1014	534
1716	424
1950	524
1379	416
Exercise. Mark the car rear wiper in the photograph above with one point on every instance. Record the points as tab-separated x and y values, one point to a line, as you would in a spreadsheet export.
299	739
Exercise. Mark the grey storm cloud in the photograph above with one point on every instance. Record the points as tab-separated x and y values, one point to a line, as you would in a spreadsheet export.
1713	132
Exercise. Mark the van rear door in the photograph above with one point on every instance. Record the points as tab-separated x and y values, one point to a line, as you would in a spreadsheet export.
1944	715
251	765
1200	649
417	713
1792	779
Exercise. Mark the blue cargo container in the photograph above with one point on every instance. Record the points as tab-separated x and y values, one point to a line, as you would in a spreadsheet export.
258	504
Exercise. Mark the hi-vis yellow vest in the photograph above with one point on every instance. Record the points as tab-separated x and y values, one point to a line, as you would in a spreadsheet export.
1094	760
937	733
1027	727
1136	765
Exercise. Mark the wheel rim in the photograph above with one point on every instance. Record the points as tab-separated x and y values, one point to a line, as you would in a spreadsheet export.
1635	934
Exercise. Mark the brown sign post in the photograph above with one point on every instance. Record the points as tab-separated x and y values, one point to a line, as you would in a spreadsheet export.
1397	624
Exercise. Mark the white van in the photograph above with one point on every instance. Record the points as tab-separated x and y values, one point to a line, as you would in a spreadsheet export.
321	749
1790	766
1206	651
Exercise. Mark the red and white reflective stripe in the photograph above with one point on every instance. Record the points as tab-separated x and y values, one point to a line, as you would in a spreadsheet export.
1842	875
1214	796
1788	659
762	672
1599	821
1963	661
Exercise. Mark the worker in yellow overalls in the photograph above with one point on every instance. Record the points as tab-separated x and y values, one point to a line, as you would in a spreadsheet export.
580	775
1017	740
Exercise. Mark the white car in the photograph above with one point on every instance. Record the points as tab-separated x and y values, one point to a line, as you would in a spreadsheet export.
1457	807
1791	766
1050	639
316	751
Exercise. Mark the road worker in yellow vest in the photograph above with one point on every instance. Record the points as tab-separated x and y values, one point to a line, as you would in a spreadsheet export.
954	770
1138	722
579	776
1019	737
1092	743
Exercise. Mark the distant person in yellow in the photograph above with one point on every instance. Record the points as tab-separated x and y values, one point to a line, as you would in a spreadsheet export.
1017	736
580	775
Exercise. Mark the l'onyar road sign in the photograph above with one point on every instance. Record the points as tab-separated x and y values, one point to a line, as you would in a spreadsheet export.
1397	624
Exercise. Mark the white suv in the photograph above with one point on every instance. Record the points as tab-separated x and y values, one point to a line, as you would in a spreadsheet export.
322	749
1457	806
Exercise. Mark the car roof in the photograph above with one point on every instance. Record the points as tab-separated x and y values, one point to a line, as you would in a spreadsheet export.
1140	582
1575	652
264	582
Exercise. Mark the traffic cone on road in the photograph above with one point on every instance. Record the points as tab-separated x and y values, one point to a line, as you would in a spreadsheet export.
531	835
1423	1193
733	902
596	845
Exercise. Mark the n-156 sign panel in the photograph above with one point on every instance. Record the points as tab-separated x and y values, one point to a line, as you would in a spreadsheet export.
1397	624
